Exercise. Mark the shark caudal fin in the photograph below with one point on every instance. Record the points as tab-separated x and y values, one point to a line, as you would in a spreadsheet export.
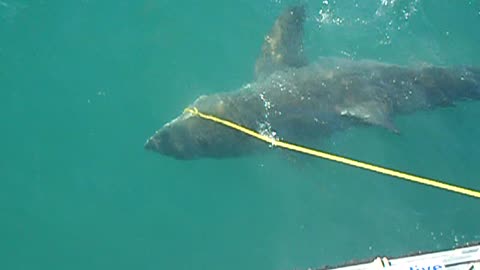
283	46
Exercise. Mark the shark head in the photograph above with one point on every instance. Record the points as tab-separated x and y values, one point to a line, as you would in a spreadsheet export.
191	137
175	137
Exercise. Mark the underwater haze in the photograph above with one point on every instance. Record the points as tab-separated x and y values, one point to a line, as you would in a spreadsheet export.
84	83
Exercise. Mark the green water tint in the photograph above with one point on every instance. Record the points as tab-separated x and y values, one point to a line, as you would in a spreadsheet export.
83	84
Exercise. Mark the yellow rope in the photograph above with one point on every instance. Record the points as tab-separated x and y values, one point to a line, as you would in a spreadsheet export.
344	160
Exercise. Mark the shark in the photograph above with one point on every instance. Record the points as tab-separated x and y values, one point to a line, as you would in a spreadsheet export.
301	101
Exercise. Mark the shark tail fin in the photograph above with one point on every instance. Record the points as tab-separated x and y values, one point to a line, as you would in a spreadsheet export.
283	46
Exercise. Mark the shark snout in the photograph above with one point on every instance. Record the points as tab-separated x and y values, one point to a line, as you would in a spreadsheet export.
166	143
151	144
157	142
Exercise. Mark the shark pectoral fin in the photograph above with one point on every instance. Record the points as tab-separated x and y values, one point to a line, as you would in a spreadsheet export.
283	46
371	113
390	126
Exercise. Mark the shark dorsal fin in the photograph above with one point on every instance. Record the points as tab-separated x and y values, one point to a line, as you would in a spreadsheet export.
283	46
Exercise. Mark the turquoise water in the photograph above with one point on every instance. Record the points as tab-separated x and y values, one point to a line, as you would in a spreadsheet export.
84	83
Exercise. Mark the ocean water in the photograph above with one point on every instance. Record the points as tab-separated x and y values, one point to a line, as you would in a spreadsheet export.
84	83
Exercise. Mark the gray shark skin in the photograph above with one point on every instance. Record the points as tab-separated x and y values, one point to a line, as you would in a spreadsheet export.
300	102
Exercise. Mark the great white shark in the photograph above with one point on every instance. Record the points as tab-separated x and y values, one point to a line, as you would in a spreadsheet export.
299	101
